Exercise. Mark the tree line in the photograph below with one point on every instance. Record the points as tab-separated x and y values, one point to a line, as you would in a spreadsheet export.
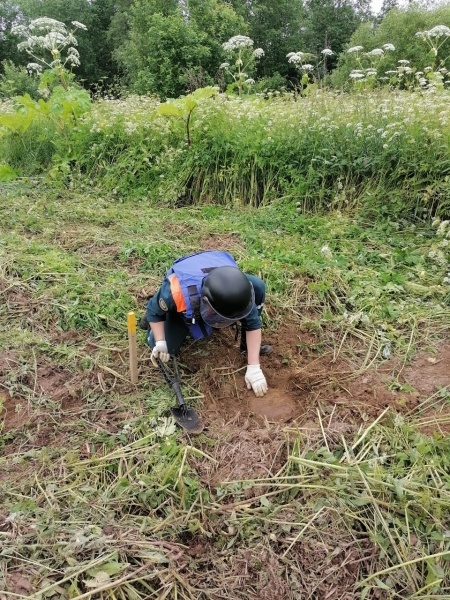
170	47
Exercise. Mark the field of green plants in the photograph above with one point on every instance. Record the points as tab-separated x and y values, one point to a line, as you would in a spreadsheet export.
341	204
326	151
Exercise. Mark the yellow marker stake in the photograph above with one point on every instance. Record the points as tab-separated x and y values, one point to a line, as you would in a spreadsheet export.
131	322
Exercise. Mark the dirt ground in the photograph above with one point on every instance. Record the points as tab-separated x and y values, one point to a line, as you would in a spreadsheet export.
302	384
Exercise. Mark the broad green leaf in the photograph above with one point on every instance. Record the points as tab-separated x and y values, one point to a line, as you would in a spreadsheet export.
170	110
206	92
190	104
26	101
18	123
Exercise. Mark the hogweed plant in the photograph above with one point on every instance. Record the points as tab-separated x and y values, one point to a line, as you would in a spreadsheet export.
308	73
300	61
240	48
435	38
183	108
365	75
52	47
367	65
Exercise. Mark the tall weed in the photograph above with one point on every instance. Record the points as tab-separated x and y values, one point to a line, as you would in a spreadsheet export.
327	151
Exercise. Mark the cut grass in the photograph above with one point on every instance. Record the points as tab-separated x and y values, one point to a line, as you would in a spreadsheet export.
102	497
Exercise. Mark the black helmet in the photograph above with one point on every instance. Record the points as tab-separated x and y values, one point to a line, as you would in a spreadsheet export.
227	296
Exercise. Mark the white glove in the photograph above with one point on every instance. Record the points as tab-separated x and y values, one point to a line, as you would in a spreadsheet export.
160	351
254	378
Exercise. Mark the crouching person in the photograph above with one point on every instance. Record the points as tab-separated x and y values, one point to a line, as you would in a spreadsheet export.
203	292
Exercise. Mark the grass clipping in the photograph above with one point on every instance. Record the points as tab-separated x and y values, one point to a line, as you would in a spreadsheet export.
347	513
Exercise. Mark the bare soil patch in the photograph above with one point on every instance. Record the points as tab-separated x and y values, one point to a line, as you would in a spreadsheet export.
303	382
300	383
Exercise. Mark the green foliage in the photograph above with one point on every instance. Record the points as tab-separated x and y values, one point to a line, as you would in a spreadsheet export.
10	14
160	49
167	54
94	46
275	27
16	81
184	107
216	21
399	27
7	173
273	83
322	152
30	133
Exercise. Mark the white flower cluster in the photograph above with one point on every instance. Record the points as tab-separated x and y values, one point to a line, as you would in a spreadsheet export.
49	34
258	53
438	31
79	25
327	52
438	256
356	318
388	47
34	68
295	58
236	42
442	227
375	52
355	49
47	24
73	56
326	252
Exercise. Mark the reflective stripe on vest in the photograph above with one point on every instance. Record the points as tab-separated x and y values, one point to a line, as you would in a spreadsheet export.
177	294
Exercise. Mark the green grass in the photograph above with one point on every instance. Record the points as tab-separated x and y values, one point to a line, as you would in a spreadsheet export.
105	497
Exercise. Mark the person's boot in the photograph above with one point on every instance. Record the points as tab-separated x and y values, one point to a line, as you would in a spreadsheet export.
265	348
143	323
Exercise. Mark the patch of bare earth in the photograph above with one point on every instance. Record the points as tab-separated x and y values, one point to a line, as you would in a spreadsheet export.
301	383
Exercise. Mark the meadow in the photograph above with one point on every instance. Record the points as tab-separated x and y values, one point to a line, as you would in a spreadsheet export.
340	203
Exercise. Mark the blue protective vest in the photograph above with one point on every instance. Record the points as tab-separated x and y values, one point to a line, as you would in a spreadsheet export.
190	271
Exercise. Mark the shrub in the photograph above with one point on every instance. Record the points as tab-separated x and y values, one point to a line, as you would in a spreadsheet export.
16	81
